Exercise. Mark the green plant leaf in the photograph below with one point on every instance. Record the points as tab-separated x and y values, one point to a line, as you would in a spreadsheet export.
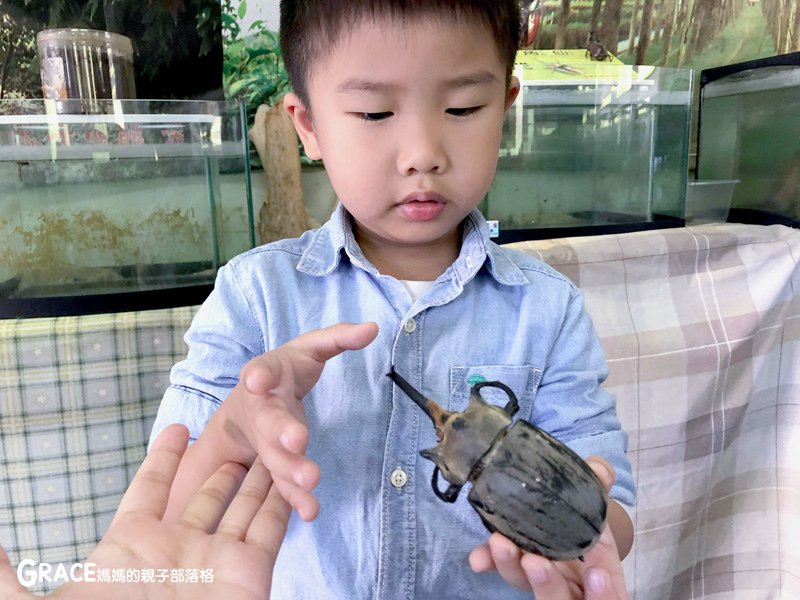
242	9
257	26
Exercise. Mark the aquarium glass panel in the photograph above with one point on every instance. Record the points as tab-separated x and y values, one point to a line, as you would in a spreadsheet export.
750	131
600	145
144	196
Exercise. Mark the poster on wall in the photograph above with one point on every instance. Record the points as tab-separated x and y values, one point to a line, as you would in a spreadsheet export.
686	33
672	33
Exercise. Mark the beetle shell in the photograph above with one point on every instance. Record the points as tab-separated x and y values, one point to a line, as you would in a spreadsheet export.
525	483
539	494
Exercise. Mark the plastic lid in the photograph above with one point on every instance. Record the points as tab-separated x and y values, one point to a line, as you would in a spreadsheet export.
85	37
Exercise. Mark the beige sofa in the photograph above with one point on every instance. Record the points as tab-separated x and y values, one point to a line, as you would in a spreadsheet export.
701	329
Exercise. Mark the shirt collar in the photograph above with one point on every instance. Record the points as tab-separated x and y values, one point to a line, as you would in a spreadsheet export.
324	252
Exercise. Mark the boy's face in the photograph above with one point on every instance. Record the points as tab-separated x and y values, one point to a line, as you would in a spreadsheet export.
407	118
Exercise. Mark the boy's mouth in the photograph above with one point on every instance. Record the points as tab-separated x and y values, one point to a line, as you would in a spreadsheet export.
422	206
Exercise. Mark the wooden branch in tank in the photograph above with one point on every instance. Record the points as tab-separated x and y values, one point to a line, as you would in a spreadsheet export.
283	213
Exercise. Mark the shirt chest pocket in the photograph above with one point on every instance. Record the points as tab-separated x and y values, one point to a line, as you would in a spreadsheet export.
522	379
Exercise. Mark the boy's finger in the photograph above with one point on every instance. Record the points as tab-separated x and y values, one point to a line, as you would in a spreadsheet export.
602	585
323	344
269	524
506	557
247	502
149	491
604	471
306	505
279	427
605	557
208	505
480	559
546	581
286	465
273	371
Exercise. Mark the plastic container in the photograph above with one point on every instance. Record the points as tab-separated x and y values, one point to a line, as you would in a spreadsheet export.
709	201
79	66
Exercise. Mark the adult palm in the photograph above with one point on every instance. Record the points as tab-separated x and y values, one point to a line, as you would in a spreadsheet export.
231	529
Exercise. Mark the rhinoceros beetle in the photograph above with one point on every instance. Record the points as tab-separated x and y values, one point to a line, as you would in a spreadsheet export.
595	50
525	483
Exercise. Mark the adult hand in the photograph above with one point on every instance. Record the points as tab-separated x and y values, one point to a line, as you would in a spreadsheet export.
598	577
233	526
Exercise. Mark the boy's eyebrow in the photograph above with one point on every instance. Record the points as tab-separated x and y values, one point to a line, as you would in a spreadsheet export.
358	84
477	78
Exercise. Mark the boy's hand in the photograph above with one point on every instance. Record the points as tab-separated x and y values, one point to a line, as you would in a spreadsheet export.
269	407
598	577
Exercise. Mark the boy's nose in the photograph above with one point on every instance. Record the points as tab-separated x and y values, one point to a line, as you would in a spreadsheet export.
422	151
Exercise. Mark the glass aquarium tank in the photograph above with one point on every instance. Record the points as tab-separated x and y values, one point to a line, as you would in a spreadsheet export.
591	147
135	207
749	130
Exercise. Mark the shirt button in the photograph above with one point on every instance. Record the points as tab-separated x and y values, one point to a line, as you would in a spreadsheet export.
410	326
469	262
398	478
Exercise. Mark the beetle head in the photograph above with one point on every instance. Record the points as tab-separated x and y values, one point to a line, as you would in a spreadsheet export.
463	436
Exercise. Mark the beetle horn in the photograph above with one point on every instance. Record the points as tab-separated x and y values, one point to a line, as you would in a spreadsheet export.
435	412
435	455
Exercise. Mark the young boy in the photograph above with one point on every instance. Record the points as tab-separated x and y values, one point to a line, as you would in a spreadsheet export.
404	102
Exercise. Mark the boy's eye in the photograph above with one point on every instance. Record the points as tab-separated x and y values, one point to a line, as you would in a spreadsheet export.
463	112
373	116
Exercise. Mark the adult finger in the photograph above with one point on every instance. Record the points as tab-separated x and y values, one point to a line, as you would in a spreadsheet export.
207	507
506	556
9	584
245	505
269	525
149	490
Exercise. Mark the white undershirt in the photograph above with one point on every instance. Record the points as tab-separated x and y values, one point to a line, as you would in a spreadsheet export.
416	288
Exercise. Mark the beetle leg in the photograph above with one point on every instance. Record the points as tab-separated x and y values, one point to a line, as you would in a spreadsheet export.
450	494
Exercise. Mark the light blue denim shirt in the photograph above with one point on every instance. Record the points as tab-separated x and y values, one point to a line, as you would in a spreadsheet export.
494	314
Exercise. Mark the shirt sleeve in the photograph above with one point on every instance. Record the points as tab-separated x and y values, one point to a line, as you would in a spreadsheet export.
223	337
571	403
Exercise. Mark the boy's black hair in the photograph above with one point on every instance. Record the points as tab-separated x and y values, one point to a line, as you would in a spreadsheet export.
308	27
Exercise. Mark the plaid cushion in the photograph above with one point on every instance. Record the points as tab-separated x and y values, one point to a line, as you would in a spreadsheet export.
701	329
78	396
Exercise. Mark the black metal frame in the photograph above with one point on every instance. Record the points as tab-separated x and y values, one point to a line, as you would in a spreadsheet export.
543	233
745	215
63	306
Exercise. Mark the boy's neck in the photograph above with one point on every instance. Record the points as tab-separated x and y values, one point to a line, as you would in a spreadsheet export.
423	262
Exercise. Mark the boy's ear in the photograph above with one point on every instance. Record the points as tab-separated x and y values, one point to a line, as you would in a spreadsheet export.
302	124
512	92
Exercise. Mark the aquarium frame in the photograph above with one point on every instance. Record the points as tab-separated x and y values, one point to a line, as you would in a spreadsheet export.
91	304
749	216
163	296
509	236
